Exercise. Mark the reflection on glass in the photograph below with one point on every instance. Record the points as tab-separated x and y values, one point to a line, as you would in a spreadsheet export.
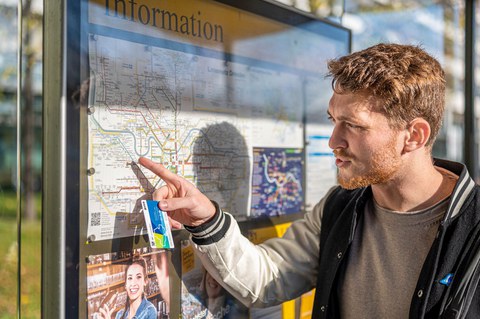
439	29
21	283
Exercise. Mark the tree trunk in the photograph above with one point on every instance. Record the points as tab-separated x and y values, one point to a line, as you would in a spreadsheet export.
28	121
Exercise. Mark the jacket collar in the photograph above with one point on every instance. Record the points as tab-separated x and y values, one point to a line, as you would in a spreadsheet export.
460	193
462	189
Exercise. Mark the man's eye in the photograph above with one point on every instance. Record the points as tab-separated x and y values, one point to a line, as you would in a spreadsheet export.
352	125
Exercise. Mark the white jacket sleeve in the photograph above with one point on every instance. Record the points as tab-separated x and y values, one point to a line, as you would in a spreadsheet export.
275	271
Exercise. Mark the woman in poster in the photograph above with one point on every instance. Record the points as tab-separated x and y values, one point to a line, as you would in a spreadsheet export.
136	306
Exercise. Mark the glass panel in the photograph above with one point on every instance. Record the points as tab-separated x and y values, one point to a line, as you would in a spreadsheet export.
8	151
30	146
30	150
439	29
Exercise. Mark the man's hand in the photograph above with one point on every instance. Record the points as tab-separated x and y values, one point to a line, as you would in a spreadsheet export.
182	201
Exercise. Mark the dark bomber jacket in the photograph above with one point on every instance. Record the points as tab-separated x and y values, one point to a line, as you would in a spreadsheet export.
460	222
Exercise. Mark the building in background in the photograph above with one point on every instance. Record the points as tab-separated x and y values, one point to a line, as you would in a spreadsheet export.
437	26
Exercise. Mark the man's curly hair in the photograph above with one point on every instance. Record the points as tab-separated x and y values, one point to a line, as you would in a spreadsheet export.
409	82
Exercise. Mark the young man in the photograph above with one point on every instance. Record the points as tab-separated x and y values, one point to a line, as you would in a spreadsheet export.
387	242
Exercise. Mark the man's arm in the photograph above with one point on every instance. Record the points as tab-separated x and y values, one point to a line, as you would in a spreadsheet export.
260	275
275	271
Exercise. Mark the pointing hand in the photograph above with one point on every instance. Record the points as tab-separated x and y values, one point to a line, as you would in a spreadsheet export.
182	201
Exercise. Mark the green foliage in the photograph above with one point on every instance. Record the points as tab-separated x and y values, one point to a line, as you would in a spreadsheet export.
30	261
8	205
8	268
30	270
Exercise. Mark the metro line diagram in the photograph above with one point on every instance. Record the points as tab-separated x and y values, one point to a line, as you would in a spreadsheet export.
200	116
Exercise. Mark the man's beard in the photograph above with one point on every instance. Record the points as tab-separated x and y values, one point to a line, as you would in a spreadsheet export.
383	165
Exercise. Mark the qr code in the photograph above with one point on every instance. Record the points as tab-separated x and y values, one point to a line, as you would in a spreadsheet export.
95	219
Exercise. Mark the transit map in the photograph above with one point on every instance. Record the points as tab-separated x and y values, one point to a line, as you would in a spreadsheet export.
199	115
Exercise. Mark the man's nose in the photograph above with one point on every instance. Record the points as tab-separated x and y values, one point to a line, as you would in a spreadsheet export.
337	139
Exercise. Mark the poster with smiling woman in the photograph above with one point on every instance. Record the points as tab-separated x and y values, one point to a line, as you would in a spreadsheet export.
128	283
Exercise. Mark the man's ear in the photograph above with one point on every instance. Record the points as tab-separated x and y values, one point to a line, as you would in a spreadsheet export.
418	134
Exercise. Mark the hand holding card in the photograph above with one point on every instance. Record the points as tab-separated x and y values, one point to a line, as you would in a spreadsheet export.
158	227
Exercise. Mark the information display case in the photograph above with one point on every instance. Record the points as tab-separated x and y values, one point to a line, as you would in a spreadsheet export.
231	95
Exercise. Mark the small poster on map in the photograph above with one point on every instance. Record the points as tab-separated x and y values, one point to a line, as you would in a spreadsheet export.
277	181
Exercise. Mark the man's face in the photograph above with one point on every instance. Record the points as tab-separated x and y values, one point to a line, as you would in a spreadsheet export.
367	149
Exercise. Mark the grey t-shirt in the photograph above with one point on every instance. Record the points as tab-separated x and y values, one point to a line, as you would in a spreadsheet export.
385	260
